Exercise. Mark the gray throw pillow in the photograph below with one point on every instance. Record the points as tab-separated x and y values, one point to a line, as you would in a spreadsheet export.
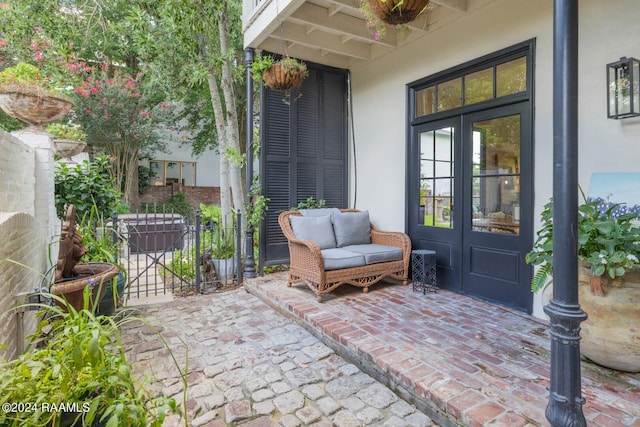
351	228
316	228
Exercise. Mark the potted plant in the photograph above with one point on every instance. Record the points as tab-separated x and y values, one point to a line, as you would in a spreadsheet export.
25	94
396	13
609	280
75	373
69	139
282	74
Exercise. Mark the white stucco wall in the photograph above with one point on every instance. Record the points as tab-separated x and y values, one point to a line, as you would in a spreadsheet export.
379	96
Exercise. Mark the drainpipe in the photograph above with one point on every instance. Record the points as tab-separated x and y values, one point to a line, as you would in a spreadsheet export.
249	262
565	399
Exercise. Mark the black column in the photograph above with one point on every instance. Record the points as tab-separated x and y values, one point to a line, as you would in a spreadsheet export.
249	262
565	400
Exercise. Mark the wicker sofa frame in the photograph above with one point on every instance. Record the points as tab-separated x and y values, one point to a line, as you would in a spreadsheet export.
307	265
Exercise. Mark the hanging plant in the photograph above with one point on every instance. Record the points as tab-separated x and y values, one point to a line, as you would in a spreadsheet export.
282	74
396	13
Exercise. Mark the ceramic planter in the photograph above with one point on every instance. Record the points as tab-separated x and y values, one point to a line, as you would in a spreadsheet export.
611	334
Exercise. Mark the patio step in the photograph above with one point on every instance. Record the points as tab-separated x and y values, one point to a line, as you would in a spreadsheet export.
460	360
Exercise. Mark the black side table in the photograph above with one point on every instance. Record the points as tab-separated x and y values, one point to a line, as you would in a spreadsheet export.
423	270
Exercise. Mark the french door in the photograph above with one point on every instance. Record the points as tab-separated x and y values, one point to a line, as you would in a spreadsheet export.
470	201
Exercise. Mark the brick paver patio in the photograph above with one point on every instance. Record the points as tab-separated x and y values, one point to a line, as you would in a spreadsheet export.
460	360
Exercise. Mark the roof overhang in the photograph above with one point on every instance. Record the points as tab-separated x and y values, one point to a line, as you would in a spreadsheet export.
334	32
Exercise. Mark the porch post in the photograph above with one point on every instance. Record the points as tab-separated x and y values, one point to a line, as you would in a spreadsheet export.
249	262
565	399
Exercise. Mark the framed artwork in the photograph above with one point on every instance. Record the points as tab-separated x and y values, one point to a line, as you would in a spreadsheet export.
617	188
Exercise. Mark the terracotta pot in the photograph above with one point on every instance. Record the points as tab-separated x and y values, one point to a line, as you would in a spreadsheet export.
68	147
94	274
393	14
279	77
611	334
33	104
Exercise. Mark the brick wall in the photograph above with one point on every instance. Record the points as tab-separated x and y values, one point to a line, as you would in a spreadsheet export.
195	195
22	242
28	228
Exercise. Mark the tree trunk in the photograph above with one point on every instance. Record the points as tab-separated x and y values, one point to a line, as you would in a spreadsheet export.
235	164
216	102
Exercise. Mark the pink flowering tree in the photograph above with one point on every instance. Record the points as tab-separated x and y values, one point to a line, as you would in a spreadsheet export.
121	120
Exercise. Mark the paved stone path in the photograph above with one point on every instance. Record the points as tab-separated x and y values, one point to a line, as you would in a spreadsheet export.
250	366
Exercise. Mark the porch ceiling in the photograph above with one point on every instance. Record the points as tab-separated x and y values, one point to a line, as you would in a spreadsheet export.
334	32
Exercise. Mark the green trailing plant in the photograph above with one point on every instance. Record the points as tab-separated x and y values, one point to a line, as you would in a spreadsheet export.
24	74
608	242
257	208
87	185
79	361
310	203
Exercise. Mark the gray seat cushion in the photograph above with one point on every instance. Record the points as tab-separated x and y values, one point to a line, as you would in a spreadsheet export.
336	258
351	228
375	253
316	228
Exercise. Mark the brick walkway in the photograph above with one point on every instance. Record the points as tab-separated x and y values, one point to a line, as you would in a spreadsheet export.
459	360
253	367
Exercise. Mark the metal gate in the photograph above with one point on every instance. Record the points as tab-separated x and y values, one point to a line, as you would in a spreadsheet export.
167	253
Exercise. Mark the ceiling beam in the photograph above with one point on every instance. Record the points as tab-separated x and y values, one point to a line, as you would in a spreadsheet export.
294	33
338	24
458	5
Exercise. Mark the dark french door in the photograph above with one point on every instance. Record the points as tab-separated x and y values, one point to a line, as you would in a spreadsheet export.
471	201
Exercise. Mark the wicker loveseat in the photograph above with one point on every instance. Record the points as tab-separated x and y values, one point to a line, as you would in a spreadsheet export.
331	247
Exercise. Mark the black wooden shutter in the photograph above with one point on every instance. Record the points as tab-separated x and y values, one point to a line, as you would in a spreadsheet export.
304	151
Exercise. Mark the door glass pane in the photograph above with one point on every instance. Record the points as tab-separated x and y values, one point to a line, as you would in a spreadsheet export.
478	86
436	178
450	94
173	172
189	174
496	175
511	77
157	172
426	101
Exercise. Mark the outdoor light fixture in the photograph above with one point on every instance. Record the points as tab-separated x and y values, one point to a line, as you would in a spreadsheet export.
623	81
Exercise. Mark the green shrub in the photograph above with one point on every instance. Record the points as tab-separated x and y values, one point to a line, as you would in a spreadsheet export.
86	185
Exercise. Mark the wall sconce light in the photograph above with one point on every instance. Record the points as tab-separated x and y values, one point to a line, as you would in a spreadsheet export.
623	81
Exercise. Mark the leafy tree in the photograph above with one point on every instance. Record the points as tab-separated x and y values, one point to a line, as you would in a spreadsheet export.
122	121
198	44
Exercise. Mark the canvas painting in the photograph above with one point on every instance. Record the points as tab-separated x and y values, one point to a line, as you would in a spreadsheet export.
617	188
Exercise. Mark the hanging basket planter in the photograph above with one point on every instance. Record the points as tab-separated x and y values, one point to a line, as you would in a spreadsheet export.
397	12
283	74
33	104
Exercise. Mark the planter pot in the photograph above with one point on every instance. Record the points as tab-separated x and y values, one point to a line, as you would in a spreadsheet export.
281	77
97	275
611	334
392	13
33	104
108	304
225	268
68	148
